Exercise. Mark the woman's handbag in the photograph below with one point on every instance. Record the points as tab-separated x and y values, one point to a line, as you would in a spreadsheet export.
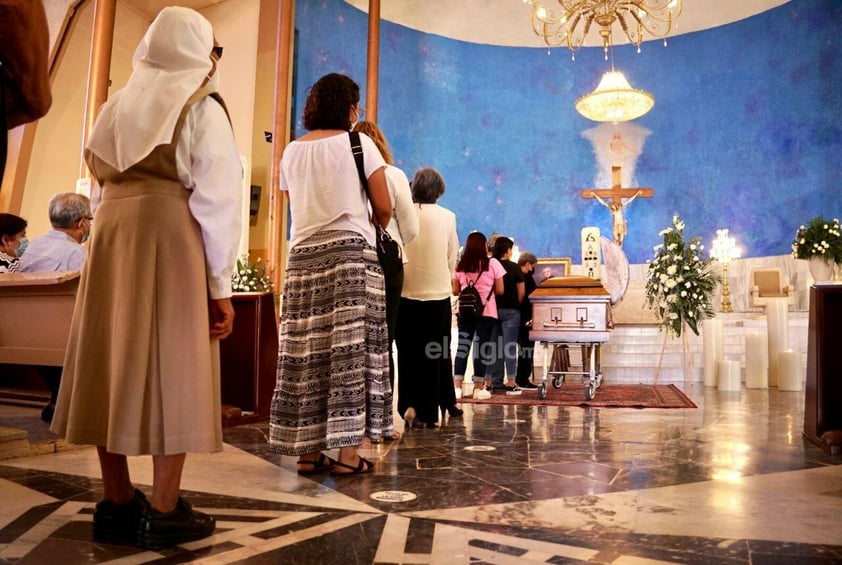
388	250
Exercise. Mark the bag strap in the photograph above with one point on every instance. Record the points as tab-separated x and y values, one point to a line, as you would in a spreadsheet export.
475	281
491	290
357	150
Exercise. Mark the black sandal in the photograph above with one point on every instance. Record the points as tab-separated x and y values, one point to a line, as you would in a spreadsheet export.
365	466
394	437
321	465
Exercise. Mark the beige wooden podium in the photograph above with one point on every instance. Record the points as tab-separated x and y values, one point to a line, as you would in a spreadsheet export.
35	313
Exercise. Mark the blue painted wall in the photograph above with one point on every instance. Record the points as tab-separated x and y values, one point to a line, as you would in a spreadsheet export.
746	132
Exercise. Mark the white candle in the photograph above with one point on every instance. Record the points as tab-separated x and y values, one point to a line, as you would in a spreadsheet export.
789	370
777	322
757	360
713	348
729	375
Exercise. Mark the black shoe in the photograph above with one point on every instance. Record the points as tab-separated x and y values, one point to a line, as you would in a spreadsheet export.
164	529
118	523
47	413
454	412
527	386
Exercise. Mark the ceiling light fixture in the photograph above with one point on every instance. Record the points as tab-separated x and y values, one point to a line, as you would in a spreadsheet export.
571	22
614	100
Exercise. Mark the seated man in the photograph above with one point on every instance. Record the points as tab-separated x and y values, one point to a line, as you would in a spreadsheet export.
60	249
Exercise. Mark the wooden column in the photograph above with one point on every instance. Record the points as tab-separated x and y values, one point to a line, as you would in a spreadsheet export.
21	140
99	69
280	137
373	70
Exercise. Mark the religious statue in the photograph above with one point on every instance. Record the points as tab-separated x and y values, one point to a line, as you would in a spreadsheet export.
616	206
615	202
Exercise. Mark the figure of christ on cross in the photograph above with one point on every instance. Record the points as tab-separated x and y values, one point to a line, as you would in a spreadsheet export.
616	203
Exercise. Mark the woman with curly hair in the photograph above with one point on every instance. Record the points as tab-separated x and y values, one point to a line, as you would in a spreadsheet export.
333	365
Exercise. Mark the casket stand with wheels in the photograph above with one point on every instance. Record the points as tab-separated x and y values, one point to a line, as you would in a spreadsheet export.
570	311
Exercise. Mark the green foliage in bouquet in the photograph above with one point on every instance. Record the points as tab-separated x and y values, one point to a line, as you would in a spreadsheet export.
819	238
250	277
680	283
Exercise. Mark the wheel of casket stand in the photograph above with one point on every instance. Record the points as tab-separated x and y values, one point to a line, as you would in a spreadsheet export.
542	390
558	381
590	390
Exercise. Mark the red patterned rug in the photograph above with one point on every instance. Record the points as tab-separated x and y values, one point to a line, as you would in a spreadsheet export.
608	395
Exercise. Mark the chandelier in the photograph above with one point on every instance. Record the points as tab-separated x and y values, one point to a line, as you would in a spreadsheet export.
614	100
570	23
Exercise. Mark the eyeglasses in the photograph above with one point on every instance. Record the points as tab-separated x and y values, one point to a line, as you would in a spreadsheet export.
360	111
217	50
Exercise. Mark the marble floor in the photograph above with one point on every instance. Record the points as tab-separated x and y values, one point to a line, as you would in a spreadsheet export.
731	481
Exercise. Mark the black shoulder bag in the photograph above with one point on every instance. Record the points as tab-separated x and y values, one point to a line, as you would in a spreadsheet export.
388	250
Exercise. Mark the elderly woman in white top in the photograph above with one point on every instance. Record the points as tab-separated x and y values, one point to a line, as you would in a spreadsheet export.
403	227
141	373
423	338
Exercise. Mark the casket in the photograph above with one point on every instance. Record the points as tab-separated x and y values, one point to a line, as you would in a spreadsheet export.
571	309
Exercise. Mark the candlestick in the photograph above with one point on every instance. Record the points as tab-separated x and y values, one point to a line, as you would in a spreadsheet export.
729	375
789	370
757	360
777	320
713	345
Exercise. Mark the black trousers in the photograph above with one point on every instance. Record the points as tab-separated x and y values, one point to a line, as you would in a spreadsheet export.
52	378
525	356
425	380
394	286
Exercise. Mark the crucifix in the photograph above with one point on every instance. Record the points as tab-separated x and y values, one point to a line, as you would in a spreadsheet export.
615	194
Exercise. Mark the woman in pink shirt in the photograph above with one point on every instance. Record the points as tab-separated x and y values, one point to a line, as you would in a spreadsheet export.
486	274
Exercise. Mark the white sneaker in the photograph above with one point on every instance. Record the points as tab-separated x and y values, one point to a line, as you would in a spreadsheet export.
481	394
467	389
513	391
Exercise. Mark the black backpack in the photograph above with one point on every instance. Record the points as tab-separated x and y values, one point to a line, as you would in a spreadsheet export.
470	304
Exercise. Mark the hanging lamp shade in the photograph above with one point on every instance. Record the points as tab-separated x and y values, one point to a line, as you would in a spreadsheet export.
614	100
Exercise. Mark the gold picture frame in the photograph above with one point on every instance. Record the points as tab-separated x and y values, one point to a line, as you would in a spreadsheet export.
549	267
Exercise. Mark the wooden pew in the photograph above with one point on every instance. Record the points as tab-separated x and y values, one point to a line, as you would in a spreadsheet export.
35	313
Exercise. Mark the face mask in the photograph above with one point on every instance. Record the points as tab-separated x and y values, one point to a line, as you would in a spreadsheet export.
213	82
22	244
85	236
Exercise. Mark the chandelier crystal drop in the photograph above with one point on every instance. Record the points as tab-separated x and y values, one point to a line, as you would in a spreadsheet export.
571	21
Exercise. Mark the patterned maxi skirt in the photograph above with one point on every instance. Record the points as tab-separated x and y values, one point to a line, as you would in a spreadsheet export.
332	385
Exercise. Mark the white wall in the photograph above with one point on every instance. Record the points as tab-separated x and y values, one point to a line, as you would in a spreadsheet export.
57	152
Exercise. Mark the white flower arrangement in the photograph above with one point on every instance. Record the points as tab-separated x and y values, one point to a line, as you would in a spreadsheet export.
819	238
250	277
680	284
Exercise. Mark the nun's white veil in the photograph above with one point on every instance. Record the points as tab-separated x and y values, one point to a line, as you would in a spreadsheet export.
170	64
